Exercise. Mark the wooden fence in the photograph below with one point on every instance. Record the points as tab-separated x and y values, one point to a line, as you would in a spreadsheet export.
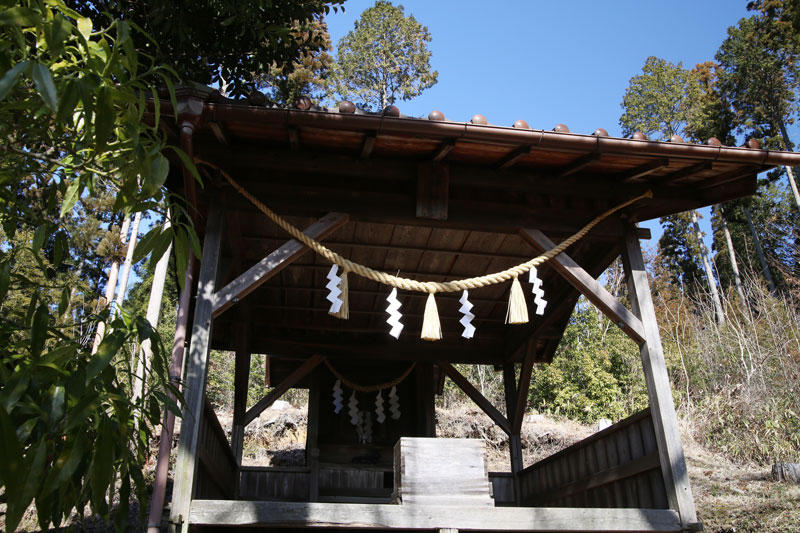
617	467
216	463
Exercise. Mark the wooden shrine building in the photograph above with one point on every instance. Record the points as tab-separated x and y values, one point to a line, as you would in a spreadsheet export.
432	200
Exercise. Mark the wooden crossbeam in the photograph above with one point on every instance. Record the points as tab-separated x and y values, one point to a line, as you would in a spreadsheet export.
298	374
247	282
511	159
421	517
443	149
588	286
576	165
642	170
475	395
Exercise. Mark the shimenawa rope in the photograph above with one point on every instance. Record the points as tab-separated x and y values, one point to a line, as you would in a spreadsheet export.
369	388
430	287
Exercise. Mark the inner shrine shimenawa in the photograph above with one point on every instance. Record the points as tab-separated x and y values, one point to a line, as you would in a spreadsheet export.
367	254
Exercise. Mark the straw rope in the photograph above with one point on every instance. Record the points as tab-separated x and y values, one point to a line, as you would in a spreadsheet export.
368	388
430	287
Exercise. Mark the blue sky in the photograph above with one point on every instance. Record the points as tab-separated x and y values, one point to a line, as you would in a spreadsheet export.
552	62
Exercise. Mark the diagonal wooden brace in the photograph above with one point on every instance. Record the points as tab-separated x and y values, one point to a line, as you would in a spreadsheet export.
298	374
292	250
588	286
474	394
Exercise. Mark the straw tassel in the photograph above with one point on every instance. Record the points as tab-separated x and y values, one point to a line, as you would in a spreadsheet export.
344	309
431	329
517	307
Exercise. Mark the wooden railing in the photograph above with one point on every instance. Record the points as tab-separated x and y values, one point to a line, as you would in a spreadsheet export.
616	467
217	466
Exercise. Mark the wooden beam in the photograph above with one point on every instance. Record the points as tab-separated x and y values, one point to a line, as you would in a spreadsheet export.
642	170
662	409
376	516
241	380
522	393
514	440
443	149
511	158
588	286
684	172
368	145
433	190
475	395
576	165
256	275
299	373
196	370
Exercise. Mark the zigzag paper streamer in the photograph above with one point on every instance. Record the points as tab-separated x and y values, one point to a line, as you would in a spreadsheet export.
380	416
353	409
394	404
337	397
394	314
537	291
334	296
366	427
466	320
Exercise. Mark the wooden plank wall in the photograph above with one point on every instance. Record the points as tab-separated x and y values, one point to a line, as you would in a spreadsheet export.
217	467
274	483
617	467
336	482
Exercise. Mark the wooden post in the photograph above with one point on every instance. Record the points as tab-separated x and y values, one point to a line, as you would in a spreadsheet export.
665	421
195	372
514	440
426	425
176	364
241	381
312	436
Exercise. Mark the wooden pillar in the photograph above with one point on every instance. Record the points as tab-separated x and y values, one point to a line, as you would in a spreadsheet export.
662	409
312	435
426	424
241	381
195	372
514	441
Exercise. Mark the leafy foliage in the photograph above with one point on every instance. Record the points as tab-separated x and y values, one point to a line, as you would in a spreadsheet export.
659	101
306	76
72	102
229	43
596	372
759	76
384	58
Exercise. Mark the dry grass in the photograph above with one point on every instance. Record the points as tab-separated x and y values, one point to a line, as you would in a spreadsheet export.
734	497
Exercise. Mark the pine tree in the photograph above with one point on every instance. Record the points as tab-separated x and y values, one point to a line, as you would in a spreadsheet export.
384	58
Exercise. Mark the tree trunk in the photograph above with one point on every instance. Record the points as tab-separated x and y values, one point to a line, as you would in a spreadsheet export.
712	280
760	252
789	172
126	266
737	279
153	313
111	284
